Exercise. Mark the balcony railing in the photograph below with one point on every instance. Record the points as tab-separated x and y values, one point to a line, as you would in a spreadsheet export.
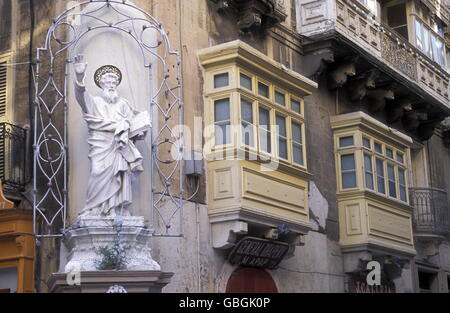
431	210
12	157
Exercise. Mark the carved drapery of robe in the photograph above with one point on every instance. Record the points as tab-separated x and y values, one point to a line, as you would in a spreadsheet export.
113	155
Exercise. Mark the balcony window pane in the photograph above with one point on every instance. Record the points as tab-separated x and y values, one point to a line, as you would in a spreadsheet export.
222	133
246	81
220	80
264	141
247	122
264	130
296	132
298	153
297	143
221	110
402	184
247	134
368	171
282	148
222	121
295	106
426	42
280	98
246	111
400	157
348	162
282	140
366	142
389	153
378	147
348	171
419	43
391	181
263	90
264	118
281	123
380	176
346	141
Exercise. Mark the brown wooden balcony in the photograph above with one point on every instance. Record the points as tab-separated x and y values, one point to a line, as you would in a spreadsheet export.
431	211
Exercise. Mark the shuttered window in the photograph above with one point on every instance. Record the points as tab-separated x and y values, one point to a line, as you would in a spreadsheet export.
2	88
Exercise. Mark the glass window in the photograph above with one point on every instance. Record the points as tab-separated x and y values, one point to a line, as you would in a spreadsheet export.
264	130
378	147
280	98
391	181
282	137
368	171
297	143
348	171
246	81
426	42
402	184
366	142
220	80
222	121
295	106
346	141
247	122
419	41
380	176
263	90
389	153
400	157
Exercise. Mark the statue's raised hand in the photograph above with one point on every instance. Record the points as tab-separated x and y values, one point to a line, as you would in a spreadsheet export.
79	66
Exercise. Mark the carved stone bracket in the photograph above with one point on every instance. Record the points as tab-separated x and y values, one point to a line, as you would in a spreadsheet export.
254	15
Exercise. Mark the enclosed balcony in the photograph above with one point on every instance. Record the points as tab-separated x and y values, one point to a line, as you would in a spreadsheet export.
12	157
389	62
431	211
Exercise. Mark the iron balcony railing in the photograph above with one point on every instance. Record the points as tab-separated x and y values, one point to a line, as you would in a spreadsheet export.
12	157
431	210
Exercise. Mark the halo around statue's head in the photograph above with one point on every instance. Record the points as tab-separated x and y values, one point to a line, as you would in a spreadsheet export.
105	69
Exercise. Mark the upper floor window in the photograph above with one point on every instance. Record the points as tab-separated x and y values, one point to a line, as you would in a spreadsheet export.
254	107
428	30
371	162
270	118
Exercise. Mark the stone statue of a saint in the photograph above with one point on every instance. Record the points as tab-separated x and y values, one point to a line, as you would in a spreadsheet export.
114	126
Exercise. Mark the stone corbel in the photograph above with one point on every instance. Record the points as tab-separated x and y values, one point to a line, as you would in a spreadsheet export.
411	120
359	86
315	63
376	98
253	15
224	234
338	75
426	128
396	109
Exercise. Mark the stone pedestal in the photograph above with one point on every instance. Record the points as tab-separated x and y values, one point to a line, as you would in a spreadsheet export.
88	234
102	281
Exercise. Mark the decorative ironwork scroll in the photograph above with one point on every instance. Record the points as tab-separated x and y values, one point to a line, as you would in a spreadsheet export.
50	194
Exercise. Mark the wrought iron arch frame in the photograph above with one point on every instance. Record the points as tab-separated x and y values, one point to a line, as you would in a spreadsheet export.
50	173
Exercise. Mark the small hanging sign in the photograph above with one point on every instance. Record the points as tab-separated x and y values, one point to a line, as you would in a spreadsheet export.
258	252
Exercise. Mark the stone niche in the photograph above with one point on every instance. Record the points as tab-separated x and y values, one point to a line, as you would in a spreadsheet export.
129	234
101	47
